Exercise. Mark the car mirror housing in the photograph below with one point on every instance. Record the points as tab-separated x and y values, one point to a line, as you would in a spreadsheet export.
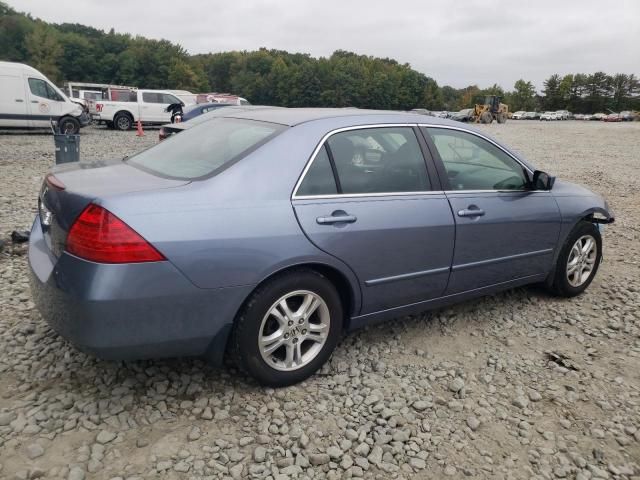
542	181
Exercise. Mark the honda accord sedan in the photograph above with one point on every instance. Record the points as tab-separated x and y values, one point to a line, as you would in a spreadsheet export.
265	234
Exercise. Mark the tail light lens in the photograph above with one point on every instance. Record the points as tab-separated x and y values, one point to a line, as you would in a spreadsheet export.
99	236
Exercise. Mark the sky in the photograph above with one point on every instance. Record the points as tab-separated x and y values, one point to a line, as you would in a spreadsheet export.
456	42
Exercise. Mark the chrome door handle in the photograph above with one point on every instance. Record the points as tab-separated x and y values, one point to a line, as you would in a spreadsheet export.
471	212
336	219
19	100
35	101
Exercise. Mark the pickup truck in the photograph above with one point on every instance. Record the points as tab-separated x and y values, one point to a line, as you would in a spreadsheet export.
148	106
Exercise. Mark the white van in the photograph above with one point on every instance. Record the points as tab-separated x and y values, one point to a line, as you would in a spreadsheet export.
28	99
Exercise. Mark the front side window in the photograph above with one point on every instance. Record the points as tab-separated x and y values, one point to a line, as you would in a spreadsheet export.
378	160
204	149
472	163
170	99
40	88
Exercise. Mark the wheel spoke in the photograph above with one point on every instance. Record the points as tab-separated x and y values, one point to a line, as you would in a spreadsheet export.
273	342
288	360
308	306
284	306
278	316
588	244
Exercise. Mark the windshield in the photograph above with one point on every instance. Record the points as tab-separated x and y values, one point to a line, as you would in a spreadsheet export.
205	149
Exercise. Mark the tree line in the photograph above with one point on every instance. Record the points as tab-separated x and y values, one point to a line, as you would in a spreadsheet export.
74	52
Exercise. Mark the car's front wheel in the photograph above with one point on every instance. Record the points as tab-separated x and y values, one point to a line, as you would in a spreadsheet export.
578	261
288	328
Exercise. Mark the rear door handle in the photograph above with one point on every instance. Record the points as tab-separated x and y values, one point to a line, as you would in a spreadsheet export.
35	101
471	212
336	219
19	100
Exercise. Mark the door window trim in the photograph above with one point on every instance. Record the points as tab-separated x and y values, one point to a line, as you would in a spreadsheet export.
295	196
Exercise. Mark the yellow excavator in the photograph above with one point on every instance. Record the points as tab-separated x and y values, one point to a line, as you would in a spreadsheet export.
492	110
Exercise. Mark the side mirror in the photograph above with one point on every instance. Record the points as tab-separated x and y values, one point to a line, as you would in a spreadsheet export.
542	181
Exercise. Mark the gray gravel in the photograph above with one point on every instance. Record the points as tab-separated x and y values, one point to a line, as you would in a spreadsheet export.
467	391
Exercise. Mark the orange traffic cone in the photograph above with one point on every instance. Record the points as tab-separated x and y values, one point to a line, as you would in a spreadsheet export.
140	132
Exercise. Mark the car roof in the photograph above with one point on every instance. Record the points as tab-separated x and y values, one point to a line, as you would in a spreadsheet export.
296	116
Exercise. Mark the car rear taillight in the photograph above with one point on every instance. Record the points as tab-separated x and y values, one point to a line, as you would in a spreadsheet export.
99	236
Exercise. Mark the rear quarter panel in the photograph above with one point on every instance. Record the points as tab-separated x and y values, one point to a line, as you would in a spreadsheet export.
238	227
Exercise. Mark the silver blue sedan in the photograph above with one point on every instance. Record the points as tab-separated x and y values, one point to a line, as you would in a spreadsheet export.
266	233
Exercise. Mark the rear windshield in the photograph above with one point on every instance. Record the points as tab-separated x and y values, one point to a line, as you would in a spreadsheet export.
205	149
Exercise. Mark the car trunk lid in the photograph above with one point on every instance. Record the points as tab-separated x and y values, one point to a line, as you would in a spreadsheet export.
69	188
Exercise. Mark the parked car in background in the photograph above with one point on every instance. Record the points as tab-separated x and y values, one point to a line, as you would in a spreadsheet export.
613	117
423	111
148	106
562	114
578	116
266	233
196	110
626	116
189	114
464	115
548	116
598	116
518	115
173	128
28	99
221	98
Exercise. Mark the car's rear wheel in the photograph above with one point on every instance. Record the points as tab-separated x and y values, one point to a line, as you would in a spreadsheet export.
288	328
578	261
123	121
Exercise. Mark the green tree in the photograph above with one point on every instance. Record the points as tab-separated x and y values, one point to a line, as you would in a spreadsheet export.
44	50
523	97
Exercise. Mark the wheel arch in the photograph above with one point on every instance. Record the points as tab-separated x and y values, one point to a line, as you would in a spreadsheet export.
123	112
347	288
595	215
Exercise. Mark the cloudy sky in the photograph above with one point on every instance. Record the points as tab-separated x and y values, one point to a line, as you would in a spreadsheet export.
456	42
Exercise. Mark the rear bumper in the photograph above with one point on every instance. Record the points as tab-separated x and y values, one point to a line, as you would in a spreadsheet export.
131	311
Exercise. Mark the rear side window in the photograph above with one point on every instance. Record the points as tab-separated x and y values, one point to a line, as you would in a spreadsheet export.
378	160
152	97
319	179
205	149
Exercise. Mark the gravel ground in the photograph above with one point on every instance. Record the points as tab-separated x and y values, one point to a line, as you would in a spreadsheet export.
467	391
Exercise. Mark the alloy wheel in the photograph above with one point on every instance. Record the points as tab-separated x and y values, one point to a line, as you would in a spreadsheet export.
294	330
582	260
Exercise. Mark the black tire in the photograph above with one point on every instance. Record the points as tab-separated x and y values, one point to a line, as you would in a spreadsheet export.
560	285
123	121
243	347
68	125
486	117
